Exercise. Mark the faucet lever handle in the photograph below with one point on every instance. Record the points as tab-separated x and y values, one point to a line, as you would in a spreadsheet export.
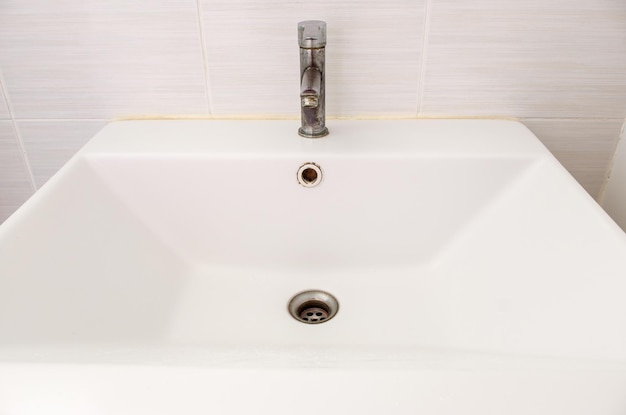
312	34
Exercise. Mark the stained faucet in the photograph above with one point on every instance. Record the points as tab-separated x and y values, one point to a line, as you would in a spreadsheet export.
312	40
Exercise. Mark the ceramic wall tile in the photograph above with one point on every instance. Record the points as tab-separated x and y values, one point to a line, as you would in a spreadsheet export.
94	59
15	186
372	55
532	58
614	198
49	144
584	147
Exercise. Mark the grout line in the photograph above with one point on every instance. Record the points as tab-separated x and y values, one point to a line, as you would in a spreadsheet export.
609	168
62	119
148	117
571	118
205	62
247	117
18	135
293	117
422	66
441	116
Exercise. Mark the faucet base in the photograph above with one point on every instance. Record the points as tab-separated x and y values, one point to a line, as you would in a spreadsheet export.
307	134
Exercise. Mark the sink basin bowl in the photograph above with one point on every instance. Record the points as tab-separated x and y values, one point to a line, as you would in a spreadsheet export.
152	275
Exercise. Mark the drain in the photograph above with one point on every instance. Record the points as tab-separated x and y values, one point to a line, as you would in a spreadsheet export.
309	175
313	307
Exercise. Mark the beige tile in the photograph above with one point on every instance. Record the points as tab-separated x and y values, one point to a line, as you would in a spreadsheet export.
532	58
372	55
15	186
90	59
49	144
584	147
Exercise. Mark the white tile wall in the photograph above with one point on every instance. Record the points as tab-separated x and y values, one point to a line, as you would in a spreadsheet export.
373	54
584	147
51	143
614	198
529	58
69	65
15	185
95	59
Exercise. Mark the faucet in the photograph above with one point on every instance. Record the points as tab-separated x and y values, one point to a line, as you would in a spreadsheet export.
312	40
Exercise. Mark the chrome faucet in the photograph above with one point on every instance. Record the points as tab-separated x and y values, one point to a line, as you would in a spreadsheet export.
312	40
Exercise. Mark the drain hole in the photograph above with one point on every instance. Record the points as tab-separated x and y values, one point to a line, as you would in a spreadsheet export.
313	307
313	310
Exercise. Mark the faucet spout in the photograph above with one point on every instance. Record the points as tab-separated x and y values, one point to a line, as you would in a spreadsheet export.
310	87
312	40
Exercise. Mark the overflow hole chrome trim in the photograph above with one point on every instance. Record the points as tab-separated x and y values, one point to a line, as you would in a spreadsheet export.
309	174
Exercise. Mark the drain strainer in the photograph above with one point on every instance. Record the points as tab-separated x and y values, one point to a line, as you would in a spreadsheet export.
313	307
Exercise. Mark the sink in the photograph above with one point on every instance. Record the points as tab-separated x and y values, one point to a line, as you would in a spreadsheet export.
152	274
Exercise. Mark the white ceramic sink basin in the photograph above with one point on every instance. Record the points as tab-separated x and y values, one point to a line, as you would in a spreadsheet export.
152	275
